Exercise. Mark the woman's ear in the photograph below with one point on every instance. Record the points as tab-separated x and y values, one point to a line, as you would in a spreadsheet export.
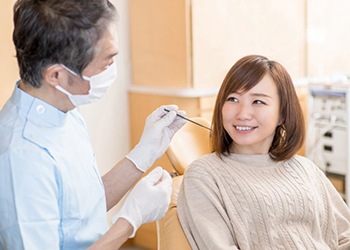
280	121
52	74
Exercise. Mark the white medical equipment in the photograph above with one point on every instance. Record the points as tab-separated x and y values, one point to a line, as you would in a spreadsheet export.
328	136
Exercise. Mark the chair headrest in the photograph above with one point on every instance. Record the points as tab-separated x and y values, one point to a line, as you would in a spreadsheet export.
188	144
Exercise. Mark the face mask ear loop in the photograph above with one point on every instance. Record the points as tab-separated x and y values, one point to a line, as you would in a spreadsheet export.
73	73
58	87
70	71
52	66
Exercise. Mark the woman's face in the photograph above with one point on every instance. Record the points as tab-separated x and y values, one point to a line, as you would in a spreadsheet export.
251	118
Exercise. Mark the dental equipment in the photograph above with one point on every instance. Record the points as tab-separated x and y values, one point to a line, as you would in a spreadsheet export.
183	117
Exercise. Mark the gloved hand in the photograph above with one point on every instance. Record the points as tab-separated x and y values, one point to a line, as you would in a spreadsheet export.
159	129
148	200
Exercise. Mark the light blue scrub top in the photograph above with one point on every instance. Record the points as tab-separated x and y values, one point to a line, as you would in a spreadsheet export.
51	193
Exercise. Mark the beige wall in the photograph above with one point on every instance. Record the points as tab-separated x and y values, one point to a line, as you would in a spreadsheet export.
328	40
8	63
223	31
193	43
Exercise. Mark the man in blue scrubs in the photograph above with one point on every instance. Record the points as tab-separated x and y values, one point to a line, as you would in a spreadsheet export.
51	193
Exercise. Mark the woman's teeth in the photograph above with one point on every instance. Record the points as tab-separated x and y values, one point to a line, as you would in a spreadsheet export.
244	128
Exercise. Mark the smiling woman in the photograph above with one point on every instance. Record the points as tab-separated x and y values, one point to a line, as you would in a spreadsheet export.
251	117
258	93
254	192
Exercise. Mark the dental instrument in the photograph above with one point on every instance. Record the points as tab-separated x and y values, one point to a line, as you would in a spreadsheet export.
183	117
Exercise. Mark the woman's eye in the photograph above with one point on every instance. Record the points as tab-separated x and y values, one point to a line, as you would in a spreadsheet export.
232	99
259	102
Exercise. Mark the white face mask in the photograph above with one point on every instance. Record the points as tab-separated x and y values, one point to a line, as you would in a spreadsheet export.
99	84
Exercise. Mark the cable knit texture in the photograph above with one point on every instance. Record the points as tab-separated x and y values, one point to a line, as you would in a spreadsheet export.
253	202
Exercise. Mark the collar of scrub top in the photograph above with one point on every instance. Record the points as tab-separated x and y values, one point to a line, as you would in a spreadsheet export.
38	110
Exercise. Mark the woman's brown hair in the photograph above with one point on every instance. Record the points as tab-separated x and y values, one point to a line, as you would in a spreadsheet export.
244	75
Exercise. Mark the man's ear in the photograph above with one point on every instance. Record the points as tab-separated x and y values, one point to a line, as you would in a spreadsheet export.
53	74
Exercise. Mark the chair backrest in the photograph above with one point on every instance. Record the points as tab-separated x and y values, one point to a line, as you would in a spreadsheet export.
170	235
188	144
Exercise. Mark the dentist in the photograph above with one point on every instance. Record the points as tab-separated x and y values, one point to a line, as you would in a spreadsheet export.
51	193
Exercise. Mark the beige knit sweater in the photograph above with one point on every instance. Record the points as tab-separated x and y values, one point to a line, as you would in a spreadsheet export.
251	202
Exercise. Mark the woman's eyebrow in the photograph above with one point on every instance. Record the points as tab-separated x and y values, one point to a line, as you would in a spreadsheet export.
261	95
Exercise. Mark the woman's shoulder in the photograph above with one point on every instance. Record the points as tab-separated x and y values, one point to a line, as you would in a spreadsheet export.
203	164
207	159
303	160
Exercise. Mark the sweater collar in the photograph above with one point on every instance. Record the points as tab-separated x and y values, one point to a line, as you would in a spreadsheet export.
254	160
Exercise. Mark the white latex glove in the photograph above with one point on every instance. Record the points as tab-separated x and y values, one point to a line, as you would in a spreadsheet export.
159	129
148	200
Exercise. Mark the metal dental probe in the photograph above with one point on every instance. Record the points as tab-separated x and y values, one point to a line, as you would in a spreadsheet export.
183	117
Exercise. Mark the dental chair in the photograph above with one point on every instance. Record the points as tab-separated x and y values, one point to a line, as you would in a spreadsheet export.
188	144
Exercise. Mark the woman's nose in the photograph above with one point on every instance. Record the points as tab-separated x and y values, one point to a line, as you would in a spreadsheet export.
244	112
